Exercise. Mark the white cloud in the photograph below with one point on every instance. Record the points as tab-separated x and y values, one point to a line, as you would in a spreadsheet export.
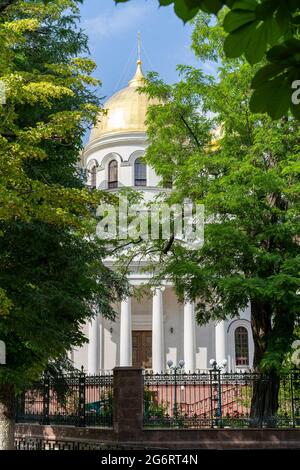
118	20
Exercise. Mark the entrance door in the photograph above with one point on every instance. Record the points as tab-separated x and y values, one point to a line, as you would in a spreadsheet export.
142	349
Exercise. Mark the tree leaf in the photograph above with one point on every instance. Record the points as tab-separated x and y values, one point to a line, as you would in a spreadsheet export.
183	11
295	108
257	45
273	97
234	20
265	73
212	6
237	42
273	31
245	5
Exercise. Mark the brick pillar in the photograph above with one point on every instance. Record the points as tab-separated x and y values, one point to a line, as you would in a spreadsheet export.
128	402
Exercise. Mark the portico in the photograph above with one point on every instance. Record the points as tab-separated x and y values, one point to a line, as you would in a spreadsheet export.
151	354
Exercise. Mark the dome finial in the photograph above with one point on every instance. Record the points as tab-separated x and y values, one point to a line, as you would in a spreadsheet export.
138	79
139	47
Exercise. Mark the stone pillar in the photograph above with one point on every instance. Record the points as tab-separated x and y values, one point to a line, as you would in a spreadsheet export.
128	403
125	334
158	346
189	337
221	341
93	347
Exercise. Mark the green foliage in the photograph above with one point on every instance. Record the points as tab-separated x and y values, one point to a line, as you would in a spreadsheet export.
103	408
152	409
259	30
52	275
273	83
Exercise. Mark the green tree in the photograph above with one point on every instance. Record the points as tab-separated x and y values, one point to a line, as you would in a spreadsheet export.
258	29
52	275
247	177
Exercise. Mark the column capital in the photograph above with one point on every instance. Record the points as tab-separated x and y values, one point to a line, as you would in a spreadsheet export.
158	288
188	301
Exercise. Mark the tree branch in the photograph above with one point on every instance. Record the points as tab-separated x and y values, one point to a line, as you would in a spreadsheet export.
131	242
190	130
168	245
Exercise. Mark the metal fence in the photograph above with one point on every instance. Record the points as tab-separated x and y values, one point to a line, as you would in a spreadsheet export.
209	399
74	399
216	400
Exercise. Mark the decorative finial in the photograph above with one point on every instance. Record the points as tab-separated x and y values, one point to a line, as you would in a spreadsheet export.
139	47
138	79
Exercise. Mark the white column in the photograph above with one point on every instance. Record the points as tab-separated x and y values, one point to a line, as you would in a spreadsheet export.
70	355
101	343
93	347
221	340
189	337
125	334
158	347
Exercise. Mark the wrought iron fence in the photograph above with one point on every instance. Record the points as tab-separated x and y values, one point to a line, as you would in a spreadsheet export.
215	399
74	399
173	399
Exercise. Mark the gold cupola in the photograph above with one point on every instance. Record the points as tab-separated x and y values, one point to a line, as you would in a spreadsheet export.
126	110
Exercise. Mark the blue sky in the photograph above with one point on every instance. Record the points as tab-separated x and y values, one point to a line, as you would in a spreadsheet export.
113	30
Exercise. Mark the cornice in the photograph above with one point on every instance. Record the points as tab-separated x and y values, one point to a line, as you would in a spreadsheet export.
109	141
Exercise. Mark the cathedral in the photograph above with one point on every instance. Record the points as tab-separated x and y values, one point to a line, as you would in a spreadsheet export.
157	329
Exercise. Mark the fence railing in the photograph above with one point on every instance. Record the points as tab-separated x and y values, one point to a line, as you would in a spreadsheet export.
215	399
209	399
74	399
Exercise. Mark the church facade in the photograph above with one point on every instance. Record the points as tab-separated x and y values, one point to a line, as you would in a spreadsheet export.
157	329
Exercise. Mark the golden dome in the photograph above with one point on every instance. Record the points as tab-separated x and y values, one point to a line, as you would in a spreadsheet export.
126	110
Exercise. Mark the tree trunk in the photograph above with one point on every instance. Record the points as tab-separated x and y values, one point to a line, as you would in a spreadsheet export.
7	417
264	403
266	333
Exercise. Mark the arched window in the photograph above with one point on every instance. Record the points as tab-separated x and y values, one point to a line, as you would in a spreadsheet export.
113	174
140	173
241	346
93	176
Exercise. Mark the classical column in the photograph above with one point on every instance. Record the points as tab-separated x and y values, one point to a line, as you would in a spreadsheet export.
101	343
189	337
221	337
158	349
93	347
70	355
125	334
